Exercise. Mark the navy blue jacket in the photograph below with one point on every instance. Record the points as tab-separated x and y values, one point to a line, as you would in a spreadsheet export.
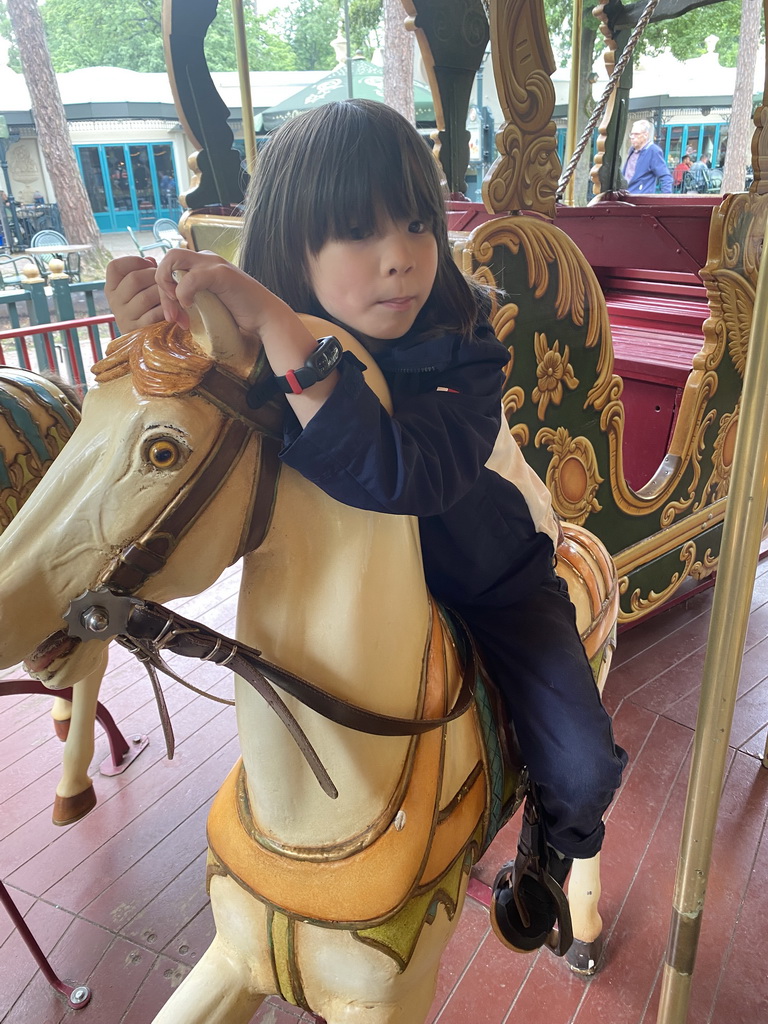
479	543
650	168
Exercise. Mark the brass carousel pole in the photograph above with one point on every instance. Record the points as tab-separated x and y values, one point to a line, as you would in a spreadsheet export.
573	96
244	75
747	498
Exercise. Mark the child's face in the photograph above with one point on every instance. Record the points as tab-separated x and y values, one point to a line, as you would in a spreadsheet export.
377	285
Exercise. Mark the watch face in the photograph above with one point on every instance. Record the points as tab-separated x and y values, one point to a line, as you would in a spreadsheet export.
327	356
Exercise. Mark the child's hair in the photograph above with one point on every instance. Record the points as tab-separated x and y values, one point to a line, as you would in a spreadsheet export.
335	169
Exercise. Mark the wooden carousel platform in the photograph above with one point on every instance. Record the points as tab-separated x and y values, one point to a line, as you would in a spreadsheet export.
117	901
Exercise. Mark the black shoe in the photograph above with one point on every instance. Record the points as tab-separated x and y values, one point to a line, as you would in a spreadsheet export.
528	900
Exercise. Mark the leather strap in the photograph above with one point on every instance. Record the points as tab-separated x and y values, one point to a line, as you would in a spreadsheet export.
147	555
158	625
262	498
229	393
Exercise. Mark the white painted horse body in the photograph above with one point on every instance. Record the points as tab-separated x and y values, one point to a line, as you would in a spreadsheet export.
36	420
333	594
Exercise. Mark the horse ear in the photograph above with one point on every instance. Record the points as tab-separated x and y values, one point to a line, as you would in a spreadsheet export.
214	330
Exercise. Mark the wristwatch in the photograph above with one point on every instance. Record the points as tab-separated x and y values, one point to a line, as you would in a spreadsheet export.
318	366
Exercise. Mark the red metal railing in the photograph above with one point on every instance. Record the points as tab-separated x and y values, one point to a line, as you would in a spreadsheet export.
35	345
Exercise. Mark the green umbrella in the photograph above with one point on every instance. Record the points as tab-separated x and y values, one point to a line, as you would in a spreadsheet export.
367	84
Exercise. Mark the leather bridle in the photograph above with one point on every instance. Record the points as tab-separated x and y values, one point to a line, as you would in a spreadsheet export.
138	561
145	627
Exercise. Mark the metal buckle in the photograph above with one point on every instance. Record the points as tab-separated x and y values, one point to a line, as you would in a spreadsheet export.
99	614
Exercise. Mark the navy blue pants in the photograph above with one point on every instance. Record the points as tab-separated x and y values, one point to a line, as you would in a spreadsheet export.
533	652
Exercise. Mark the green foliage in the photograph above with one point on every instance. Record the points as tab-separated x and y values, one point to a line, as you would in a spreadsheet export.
365	17
267	51
311	25
94	33
684	35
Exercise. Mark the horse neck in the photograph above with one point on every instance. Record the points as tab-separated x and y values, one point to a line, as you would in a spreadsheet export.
336	595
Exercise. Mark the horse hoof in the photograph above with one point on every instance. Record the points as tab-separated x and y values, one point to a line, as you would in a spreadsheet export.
61	728
585	958
69	809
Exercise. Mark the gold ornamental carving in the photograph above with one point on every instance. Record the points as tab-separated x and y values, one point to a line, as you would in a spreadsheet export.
697	569
722	457
505	318
736	303
521	434
730	278
578	296
553	370
526	172
572	475
640	606
674	508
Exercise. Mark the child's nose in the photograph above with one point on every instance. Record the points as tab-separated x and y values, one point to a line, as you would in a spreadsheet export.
398	256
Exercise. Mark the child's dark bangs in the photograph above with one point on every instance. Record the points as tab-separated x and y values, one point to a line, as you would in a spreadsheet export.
379	174
414	193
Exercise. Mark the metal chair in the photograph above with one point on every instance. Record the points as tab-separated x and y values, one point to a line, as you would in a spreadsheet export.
52	238
12	270
160	244
167	230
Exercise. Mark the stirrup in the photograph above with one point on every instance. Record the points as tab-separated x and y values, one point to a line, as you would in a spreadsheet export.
528	907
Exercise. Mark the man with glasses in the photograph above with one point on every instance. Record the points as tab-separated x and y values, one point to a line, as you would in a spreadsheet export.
645	168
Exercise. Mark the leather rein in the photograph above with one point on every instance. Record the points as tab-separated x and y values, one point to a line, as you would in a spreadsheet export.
146	628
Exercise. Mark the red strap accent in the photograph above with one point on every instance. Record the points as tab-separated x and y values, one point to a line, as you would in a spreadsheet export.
294	385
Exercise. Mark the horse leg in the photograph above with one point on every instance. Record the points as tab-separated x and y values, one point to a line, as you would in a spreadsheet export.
347	981
583	894
61	713
217	991
75	795
234	976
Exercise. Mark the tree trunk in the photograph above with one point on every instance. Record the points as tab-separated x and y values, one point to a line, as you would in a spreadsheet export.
738	153
52	132
398	61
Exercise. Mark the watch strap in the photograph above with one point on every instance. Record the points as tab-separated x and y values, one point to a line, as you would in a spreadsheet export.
294	382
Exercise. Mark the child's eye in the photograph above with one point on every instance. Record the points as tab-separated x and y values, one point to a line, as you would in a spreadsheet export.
417	227
358	234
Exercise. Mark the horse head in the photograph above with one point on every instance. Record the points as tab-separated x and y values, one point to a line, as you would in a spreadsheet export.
150	430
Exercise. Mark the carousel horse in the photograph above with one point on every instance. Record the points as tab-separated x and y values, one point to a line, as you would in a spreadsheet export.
338	896
37	418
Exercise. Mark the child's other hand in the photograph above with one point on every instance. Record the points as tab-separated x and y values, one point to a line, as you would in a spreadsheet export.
259	314
132	292
250	303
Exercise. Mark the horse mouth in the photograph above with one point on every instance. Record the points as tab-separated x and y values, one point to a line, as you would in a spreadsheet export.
57	645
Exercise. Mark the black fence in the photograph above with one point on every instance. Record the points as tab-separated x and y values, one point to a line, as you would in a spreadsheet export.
20	222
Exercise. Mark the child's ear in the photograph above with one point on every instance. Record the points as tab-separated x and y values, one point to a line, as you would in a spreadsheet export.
214	330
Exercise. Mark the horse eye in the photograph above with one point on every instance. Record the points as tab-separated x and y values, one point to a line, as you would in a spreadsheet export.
163	454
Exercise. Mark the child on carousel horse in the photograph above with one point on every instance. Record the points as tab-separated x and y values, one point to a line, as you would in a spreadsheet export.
345	220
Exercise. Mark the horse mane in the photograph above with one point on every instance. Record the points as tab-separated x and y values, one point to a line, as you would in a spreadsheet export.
163	360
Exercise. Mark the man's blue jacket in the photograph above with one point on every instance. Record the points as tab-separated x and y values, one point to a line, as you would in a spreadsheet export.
650	168
479	542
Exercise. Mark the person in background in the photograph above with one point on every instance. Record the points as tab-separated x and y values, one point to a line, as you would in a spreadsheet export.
680	171
700	174
645	168
167	189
